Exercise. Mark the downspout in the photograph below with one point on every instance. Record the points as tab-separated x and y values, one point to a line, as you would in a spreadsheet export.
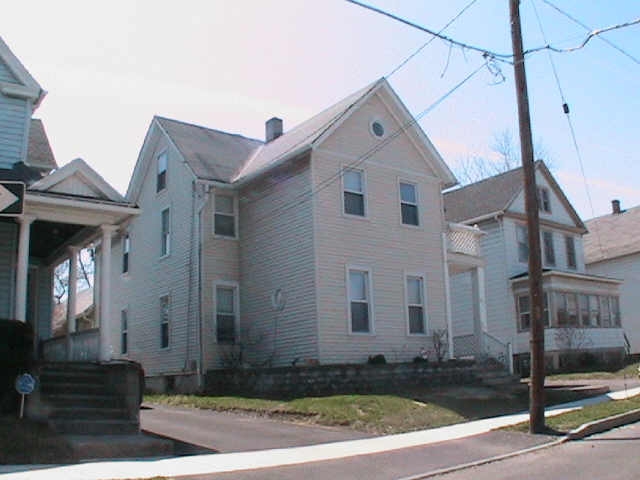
200	368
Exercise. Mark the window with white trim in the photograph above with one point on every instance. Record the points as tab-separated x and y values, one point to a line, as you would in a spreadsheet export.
126	249
544	200
353	192
570	248
165	233
409	204
583	303
616	320
416	304
124	331
226	313
225	215
549	251
359	300
164	321
522	238
524	312
161	178
605	311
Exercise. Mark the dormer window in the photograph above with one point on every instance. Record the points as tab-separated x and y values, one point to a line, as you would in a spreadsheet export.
161	183
544	202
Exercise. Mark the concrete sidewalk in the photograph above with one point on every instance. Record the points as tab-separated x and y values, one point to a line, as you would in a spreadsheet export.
232	462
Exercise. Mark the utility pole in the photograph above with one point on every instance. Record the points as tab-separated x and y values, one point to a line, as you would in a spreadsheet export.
536	389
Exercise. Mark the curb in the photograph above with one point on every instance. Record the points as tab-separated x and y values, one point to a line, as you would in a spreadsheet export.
604	424
585	430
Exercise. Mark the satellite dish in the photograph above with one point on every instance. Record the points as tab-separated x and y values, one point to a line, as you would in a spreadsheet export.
278	300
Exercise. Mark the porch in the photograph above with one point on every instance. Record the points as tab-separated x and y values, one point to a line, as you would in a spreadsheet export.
468	335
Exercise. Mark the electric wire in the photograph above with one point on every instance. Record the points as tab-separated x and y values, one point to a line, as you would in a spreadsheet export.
567	112
447	25
587	28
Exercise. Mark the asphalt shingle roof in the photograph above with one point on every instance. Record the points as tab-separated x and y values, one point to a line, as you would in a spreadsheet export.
487	196
612	235
39	153
211	154
216	155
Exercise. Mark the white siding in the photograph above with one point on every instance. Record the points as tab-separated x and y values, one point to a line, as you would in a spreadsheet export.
151	276
220	262
625	268
558	214
74	185
378	242
277	252
594	338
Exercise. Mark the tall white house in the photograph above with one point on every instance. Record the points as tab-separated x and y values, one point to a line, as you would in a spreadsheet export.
321	244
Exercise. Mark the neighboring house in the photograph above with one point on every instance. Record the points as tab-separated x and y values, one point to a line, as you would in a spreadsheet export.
64	209
612	247
582	311
323	244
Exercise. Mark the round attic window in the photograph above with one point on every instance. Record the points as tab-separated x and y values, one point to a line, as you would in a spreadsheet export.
377	128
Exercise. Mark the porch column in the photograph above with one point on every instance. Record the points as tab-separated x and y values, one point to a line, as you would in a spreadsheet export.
71	298
22	269
105	292
447	295
479	307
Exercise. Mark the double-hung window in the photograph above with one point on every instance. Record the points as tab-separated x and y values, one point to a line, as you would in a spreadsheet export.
126	249
225	216
409	204
416	304
226	313
522	237
359	300
165	233
164	321
524	312
161	180
549	252
544	201
583	302
124	332
354	192
570	248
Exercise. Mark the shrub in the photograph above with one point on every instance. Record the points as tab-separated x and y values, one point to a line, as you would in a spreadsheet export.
377	359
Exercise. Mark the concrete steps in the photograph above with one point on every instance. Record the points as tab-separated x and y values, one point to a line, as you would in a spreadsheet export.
83	398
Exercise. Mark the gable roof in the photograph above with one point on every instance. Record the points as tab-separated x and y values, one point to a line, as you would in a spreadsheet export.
489	196
494	195
230	158
303	136
28	87
211	154
86	175
612	235
39	153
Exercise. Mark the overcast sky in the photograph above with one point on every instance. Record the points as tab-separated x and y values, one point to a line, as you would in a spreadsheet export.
232	64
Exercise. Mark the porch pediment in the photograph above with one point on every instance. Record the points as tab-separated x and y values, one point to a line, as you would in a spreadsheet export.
79	180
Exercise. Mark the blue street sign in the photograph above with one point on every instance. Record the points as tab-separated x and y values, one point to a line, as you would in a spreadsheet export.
25	384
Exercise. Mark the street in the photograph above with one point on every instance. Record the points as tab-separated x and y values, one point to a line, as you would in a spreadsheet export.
611	455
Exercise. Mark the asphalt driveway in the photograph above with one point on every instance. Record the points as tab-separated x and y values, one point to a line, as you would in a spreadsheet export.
226	432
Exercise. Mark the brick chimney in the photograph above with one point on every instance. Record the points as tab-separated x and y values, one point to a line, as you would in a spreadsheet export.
273	129
615	206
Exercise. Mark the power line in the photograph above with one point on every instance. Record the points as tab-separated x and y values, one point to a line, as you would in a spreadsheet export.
567	111
406	60
586	27
592	34
503	57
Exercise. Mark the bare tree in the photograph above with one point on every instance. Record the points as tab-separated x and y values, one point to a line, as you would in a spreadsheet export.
506	150
86	274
